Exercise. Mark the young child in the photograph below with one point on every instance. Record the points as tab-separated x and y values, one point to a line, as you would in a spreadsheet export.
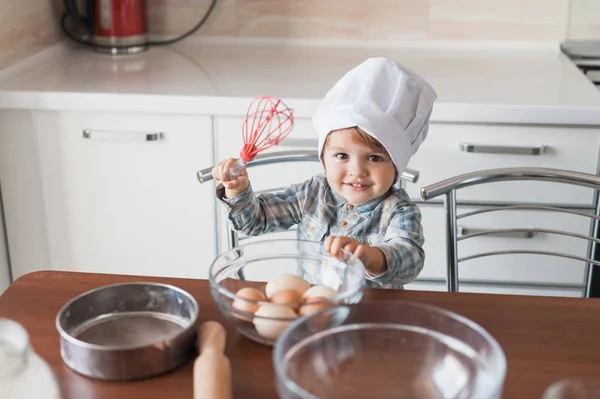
369	125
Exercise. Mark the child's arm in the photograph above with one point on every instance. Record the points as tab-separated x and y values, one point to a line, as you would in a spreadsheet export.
255	215
399	258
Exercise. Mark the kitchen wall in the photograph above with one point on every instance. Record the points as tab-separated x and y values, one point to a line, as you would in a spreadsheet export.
26	27
584	20
528	20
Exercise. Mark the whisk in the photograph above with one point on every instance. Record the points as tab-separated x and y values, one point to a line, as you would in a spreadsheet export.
268	121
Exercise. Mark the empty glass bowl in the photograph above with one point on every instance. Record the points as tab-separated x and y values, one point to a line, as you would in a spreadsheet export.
253	265
388	349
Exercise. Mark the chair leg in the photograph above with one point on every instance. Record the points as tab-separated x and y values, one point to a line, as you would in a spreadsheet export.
451	241
233	243
233	239
593	272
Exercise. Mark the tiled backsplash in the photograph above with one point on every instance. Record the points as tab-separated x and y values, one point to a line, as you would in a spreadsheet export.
584	20
27	26
528	20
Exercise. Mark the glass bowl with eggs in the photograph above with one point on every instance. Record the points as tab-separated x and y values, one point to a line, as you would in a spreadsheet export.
264	286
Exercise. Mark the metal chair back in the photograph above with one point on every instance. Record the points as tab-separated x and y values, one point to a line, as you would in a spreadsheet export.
450	186
270	158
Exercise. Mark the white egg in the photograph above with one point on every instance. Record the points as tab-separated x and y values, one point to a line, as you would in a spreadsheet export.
271	329
319	290
286	282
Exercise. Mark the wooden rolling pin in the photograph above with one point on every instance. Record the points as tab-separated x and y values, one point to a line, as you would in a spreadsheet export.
212	371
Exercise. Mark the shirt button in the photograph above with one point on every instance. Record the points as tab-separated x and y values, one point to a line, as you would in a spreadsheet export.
343	223
349	206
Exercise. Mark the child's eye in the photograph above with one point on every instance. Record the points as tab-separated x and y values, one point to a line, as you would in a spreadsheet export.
375	158
341	155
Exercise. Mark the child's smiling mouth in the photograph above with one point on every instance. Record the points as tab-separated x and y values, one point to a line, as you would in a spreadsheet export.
357	186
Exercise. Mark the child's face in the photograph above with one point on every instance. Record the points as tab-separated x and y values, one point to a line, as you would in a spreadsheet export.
354	170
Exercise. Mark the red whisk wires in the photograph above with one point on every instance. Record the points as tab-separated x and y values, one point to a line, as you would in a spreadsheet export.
268	121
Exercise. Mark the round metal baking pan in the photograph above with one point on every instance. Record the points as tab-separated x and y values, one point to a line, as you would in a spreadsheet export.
128	331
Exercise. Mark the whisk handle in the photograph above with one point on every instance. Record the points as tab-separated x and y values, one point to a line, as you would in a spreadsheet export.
236	169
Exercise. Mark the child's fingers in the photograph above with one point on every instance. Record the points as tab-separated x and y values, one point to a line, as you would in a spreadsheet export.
361	252
215	172
225	170
227	165
327	244
335	246
241	181
351	247
338	244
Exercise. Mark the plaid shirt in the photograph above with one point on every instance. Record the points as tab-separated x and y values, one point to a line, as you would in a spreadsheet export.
390	222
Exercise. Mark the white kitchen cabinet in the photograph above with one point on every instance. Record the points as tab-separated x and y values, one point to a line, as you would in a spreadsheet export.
121	194
22	193
444	154
490	289
513	268
4	264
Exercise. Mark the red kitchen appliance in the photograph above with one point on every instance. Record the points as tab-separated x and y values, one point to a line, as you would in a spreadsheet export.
117	26
114	26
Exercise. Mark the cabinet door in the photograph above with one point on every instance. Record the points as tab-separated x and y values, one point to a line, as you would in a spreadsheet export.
454	149
491	289
122	195
512	268
4	265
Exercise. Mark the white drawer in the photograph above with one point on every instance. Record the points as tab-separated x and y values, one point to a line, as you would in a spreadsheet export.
488	289
441	156
510	268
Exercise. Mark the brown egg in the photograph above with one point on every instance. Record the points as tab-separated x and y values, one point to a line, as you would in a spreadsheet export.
247	306
271	320
319	291
312	307
291	298
286	282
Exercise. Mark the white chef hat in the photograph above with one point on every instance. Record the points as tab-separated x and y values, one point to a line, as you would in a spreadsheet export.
386	100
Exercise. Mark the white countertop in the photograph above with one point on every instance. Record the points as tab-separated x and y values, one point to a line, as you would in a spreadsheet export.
484	84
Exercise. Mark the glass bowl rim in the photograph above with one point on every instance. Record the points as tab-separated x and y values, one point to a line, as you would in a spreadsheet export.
352	259
565	383
497	353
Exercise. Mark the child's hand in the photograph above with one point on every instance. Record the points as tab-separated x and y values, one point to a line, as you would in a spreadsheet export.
232	187
371	257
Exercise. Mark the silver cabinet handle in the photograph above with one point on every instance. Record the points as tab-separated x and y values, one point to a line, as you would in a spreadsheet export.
505	233
121	136
499	149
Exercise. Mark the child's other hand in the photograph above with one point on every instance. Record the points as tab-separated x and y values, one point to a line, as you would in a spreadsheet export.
371	257
232	187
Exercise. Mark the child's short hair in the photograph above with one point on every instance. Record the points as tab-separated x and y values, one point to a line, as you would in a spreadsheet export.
362	137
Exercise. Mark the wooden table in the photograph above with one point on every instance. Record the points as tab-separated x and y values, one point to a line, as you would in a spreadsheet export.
545	339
